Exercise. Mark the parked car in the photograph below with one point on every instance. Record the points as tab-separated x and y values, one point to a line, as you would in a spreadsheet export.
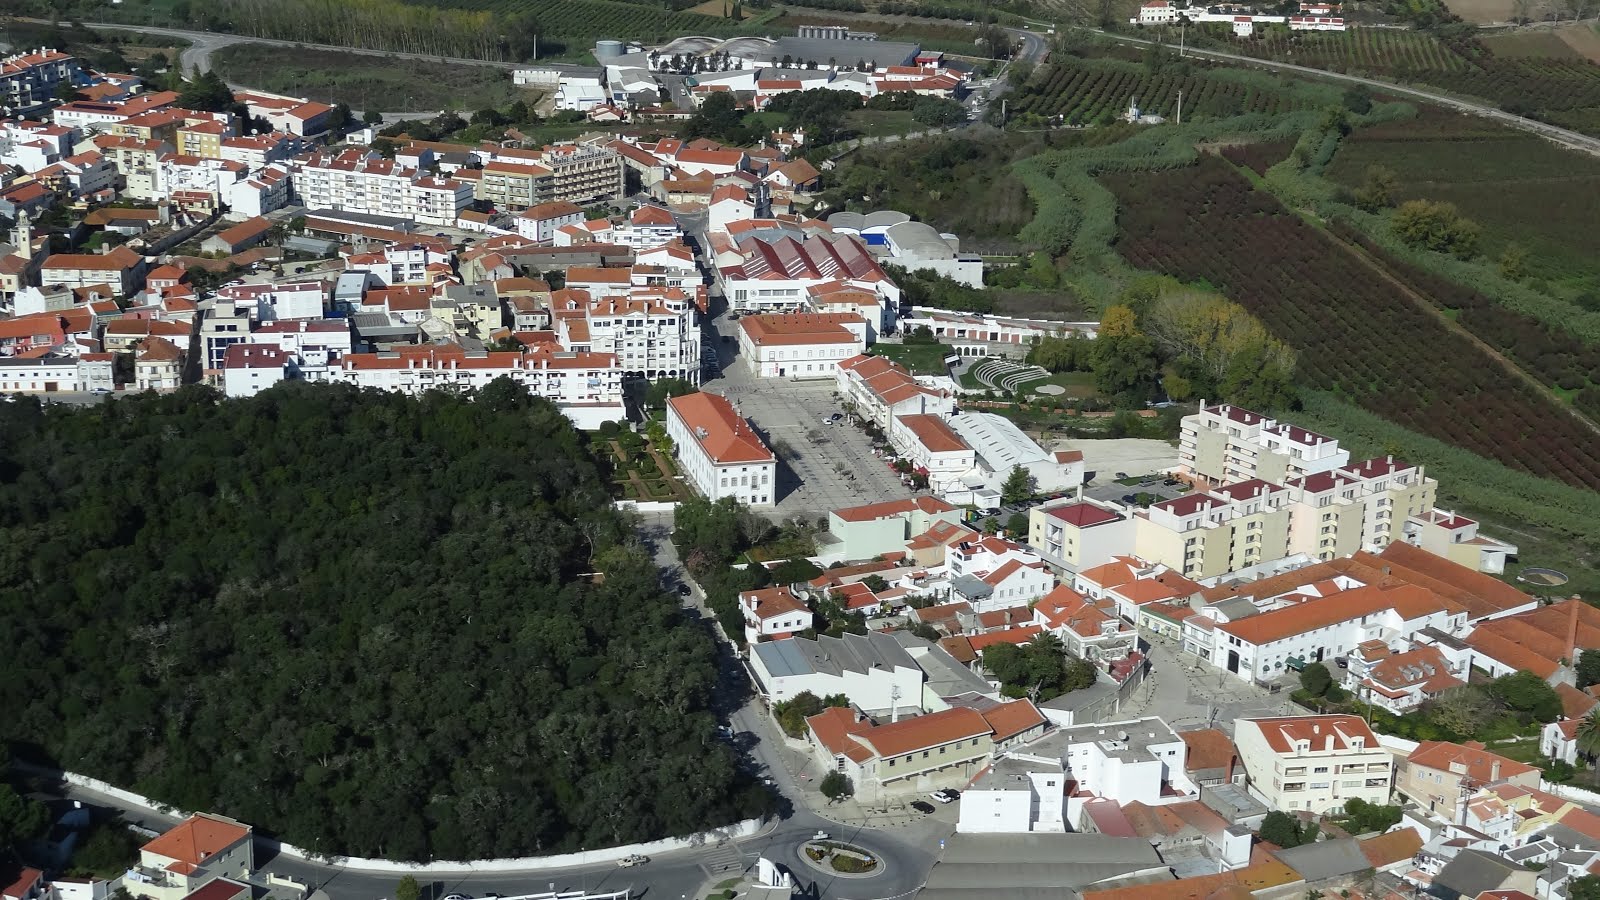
922	806
945	795
456	897
820	836
628	862
1130	498
685	591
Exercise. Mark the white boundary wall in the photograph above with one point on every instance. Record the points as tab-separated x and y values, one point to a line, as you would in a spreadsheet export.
744	829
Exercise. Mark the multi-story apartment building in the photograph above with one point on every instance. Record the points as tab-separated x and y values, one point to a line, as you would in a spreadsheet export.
587	386
202	138
28	81
1363	506
720	452
1211	533
1224	443
1443	775
583	173
514	186
654	332
1313	764
360	182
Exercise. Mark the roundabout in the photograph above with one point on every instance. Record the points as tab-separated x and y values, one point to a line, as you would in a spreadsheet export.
841	859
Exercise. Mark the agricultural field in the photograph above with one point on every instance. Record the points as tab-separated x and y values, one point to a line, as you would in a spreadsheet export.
1386	50
1085	91
368	82
1477	166
1360	335
1561	89
568	26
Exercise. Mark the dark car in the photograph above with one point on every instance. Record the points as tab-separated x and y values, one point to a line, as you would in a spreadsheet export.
1130	498
684	591
922	806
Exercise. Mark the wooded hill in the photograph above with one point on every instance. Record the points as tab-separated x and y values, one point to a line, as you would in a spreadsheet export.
362	622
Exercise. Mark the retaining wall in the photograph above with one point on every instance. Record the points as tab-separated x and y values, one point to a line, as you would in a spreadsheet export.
747	828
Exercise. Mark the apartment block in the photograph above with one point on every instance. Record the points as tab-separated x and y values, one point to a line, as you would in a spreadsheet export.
653	331
1208	534
1313	764
579	173
358	182
1360	506
28	81
1224	443
1080	533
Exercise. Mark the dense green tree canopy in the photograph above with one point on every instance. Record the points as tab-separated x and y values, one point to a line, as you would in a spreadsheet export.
366	623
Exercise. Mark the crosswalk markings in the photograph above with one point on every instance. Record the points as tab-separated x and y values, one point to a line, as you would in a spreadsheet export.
723	858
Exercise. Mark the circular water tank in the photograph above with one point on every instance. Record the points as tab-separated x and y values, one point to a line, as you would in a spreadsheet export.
604	50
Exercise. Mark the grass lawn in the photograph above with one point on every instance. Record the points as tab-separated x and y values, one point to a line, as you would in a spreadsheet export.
368	82
1078	385
879	122
919	359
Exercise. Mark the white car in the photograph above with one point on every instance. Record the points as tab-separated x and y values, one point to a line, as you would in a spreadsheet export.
628	862
944	796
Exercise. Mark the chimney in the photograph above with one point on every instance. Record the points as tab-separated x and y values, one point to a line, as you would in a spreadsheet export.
1494	771
1327	743
1572	633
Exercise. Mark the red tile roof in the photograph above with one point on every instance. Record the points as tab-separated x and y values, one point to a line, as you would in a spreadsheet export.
197	838
1281	733
723	434
891	508
1410	601
1478	763
1011	719
1084	515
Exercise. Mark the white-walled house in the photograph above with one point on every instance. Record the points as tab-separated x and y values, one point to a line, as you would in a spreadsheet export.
873	670
800	345
773	613
1313	764
928	442
719	451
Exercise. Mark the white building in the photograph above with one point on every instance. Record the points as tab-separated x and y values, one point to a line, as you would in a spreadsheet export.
358	182
1018	794
800	345
586	386
880	390
873	670
719	451
1001	446
932	448
249	369
38	375
1261	646
653	331
1313	764
1080	534
540	223
773	613
272	302
265	191
992	574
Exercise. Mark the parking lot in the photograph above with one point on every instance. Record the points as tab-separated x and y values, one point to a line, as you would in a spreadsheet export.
821	467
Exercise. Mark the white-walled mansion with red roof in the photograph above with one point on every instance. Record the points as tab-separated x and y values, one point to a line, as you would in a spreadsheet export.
719	451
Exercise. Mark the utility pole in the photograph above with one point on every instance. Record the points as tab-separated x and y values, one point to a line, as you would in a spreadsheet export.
1180	107
1182	27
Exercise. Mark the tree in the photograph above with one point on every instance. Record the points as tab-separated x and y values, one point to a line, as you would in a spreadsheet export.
518	113
1017	525
1377	189
663	388
520	38
1436	226
1358	100
408	889
371	117
875	583
205	92
1588	668
1220	350
1284	830
1527	694
20	818
836	786
1124	357
1588	734
1316	679
1586	887
1019	485
1361	817
1513	261
66	92
792	713
1463	710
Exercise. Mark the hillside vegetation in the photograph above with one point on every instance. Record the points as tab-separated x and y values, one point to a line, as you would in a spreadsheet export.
365	623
